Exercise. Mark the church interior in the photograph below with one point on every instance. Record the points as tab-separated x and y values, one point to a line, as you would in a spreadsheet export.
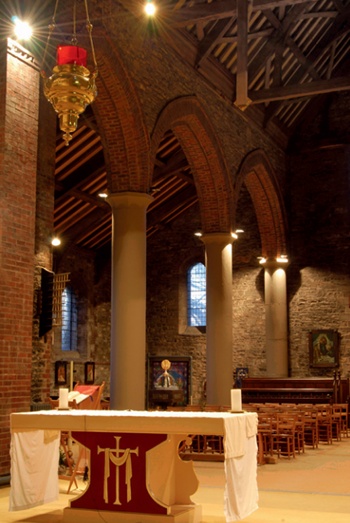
178	227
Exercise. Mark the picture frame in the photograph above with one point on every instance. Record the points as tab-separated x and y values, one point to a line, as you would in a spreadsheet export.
89	372
60	373
324	348
240	374
169	381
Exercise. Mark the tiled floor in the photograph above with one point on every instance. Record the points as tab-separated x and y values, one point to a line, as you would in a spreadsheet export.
315	487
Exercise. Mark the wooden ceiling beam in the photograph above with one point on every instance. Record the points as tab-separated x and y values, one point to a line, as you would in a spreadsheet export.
298	90
277	39
212	39
242	100
223	9
339	26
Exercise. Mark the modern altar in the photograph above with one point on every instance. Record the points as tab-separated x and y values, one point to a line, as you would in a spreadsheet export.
136	474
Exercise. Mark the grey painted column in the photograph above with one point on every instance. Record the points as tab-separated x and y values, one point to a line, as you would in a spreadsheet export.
128	300
276	319
219	317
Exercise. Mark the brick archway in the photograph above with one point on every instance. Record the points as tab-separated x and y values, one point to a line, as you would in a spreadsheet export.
121	125
257	174
187	120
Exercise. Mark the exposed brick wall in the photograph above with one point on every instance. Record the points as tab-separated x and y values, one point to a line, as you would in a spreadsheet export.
18	164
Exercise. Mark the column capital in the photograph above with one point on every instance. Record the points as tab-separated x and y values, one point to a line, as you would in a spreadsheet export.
218	238
272	263
127	199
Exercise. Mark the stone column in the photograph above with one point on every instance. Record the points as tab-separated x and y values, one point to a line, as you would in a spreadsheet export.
276	319
128	300
219	317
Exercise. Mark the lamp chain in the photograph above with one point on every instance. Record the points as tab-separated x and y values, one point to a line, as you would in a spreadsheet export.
89	30
74	39
51	30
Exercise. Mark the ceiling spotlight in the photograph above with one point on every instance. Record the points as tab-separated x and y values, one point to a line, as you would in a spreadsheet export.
150	8
23	31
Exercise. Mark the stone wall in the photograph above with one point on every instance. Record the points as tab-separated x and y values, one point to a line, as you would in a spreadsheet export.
319	277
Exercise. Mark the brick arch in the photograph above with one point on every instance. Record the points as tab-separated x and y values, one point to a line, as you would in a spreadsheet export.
120	123
257	174
187	120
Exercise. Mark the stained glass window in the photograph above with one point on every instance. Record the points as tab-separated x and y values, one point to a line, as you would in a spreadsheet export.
197	298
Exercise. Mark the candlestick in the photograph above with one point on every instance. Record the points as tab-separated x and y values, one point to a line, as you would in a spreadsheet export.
236	400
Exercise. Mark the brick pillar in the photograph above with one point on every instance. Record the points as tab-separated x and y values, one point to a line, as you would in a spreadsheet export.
18	163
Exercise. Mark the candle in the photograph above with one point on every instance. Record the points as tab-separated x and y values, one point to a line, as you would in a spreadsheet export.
236	400
71	375
63	399
71	54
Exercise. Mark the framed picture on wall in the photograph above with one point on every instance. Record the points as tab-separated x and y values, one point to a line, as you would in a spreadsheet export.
60	373
324	348
89	372
169	381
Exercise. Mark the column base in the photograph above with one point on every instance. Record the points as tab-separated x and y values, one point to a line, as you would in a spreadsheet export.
179	514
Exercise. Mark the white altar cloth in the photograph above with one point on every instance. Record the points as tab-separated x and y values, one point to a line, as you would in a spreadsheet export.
35	434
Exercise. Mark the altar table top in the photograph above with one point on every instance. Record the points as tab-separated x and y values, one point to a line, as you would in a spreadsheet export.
156	422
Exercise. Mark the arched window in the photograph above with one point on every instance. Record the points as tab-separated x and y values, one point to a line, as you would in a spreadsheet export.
69	320
196	295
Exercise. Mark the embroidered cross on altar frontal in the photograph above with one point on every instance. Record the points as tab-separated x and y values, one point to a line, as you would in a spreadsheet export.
118	472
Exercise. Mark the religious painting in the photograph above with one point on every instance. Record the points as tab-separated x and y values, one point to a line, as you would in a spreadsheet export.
240	374
324	348
169	381
89	372
60	373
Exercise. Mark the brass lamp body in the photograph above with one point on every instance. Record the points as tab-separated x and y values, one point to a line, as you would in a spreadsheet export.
70	90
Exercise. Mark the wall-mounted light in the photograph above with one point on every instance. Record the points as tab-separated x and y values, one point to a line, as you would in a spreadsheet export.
103	194
234	235
283	258
22	29
198	234
262	260
55	242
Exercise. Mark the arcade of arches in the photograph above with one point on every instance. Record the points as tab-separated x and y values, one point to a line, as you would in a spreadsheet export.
131	297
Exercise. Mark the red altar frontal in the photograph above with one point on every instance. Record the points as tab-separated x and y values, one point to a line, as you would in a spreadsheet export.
136	474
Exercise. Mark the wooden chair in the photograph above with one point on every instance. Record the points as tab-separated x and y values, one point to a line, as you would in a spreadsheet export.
311	427
336	421
299	432
283	440
324	417
342	410
266	432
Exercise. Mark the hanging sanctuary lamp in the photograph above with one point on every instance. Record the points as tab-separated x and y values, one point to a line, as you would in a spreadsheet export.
71	87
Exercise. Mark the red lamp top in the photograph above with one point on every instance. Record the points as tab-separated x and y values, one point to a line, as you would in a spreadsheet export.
71	54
